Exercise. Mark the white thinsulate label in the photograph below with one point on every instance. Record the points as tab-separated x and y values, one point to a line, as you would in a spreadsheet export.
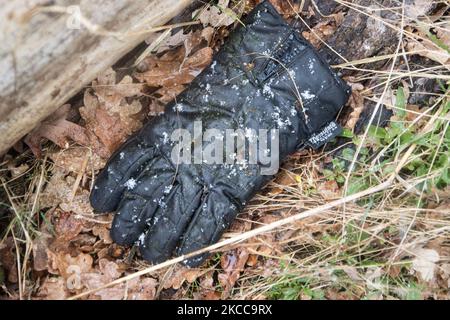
327	133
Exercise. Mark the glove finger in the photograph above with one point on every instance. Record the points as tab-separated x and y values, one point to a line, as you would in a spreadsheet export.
208	225
170	221
138	206
112	180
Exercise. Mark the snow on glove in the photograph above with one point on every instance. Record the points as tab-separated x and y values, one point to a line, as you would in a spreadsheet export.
266	83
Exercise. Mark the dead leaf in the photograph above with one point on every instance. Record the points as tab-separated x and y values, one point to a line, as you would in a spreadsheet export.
67	225
323	30
79	204
329	190
172	41
207	295
190	40
216	15
425	263
285	178
444	273
107	271
199	60
233	264
58	192
57	129
142	289
40	247
183	274
167	94
17	170
54	288
372	276
443	34
103	233
134	289
195	39
170	73
155	108
8	259
109	117
112	95
352	273
268	242
173	70
252	260
207	34
62	263
414	113
356	102
71	160
84	240
287	8
108	127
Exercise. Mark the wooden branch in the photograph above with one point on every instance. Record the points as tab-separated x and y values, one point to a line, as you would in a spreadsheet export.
45	59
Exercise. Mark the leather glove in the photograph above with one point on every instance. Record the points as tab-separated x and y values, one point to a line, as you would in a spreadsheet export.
265	77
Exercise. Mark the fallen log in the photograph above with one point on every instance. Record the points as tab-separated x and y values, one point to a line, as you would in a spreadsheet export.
49	52
44	62
372	29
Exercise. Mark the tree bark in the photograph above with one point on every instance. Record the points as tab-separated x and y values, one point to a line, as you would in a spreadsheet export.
45	58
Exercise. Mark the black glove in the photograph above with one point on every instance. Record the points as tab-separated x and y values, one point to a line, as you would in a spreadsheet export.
266	76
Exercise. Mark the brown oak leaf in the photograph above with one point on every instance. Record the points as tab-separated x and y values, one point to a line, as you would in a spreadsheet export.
57	129
173	69
108	127
111	93
54	288
216	15
233	264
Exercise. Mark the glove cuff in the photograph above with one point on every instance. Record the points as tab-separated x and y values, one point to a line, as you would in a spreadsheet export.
267	49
